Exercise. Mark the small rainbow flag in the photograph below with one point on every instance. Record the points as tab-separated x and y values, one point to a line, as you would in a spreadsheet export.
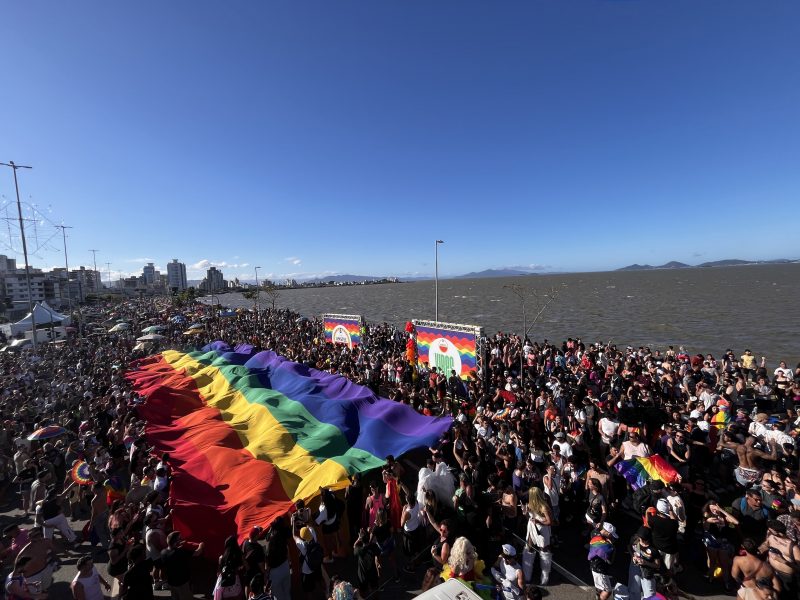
638	471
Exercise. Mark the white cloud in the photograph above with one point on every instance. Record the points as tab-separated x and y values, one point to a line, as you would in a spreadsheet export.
293	260
140	260
220	264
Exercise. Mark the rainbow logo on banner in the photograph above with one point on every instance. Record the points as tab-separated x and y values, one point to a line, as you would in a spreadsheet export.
249	434
343	329
447	350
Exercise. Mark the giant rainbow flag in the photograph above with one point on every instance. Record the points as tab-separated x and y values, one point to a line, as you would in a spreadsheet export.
638	471
250	433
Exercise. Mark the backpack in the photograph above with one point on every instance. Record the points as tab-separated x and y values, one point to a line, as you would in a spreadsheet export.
743	503
313	555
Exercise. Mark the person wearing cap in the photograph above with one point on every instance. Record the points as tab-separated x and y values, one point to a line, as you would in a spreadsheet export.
305	540
783	556
664	527
507	572
601	557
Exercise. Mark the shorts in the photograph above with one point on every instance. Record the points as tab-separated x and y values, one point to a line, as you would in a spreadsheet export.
602	583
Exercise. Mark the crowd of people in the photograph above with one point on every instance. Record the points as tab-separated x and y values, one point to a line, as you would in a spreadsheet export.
538	430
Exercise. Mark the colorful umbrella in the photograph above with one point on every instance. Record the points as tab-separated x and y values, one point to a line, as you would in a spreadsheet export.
119	327
45	433
638	471
81	474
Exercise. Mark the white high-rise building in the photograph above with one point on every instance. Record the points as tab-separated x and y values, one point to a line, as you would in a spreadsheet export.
176	275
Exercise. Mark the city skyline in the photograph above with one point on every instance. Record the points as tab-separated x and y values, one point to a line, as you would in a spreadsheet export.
317	140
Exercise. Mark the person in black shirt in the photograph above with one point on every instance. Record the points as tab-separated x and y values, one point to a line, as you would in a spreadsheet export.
665	533
277	555
254	557
367	556
177	561
645	563
137	583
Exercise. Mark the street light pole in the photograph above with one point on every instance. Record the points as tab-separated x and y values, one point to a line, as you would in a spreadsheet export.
257	292
518	291
436	277
14	167
63	229
94	274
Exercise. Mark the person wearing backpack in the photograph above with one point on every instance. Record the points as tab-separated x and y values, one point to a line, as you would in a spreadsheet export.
751	514
311	556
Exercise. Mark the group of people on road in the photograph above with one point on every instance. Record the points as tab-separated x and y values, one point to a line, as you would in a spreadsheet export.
529	463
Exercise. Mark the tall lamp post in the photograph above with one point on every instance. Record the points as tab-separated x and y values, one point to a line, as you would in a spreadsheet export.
436	277
257	292
14	167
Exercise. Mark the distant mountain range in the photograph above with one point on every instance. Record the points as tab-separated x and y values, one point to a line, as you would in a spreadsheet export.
730	262
494	273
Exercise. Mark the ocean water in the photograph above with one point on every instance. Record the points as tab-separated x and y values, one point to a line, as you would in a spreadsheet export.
705	310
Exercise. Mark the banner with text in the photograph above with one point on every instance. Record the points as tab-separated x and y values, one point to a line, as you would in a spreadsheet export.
343	329
448	346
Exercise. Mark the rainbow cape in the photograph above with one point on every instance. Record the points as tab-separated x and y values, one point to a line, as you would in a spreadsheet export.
600	547
638	471
250	433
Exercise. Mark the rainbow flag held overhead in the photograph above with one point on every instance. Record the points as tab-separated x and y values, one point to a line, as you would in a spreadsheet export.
251	433
638	471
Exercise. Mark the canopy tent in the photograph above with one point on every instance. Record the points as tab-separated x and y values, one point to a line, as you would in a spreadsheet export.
45	316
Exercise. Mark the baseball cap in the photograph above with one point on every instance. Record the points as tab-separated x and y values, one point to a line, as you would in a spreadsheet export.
609	528
305	534
509	550
662	506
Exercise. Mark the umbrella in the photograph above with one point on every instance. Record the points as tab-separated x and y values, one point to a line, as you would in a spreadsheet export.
178	319
119	327
152	337
45	433
153	329
193	332
196	326
227	313
81	473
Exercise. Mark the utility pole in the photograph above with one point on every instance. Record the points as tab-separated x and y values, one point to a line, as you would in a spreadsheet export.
94	274
108	265
14	167
63	229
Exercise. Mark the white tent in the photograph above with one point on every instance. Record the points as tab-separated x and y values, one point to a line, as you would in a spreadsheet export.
44	316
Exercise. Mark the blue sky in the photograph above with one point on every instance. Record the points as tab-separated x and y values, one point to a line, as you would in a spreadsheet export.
345	137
